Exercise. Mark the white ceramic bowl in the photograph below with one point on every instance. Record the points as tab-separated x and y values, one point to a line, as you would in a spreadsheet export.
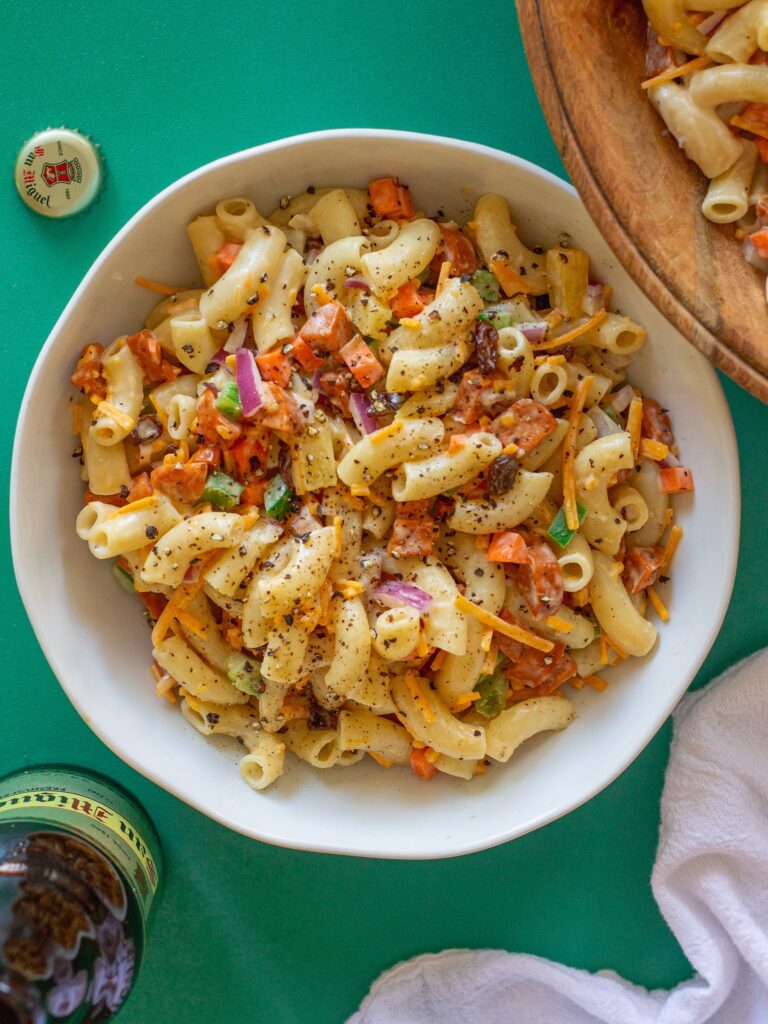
95	636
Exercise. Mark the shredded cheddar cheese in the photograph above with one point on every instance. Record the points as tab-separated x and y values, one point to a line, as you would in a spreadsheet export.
385	433
122	419
596	682
558	624
157	286
193	624
411	322
658	605
360	491
134	506
509	629
412	682
675	535
349	588
321	294
485	640
654	450
634	424
511	282
445	273
678	72
464	701
383	761
569	336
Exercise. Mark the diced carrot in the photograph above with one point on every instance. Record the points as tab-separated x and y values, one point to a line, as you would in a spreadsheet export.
656	423
761	145
109	499
507	547
212	424
421	765
760	241
413	530
365	367
675	480
249	456
390	199
183	483
89	372
642	566
304	355
328	328
407	301
209	455
526	424
253	494
141	487
459	251
279	410
275	366
145	349
154	603
224	258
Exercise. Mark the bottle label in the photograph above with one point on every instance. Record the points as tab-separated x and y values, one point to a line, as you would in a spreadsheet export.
79	803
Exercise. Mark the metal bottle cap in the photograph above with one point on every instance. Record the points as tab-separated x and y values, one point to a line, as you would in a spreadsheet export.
59	172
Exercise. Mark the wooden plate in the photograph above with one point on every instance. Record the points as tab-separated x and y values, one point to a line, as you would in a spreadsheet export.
587	59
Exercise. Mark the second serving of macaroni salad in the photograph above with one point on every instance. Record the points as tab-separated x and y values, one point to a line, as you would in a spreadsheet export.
381	483
707	63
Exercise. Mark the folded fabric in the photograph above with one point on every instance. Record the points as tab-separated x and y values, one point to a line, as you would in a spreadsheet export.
710	881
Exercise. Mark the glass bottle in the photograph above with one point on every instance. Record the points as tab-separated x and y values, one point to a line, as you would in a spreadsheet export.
80	871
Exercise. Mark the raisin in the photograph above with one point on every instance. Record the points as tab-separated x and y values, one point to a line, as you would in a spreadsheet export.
502	474
487	342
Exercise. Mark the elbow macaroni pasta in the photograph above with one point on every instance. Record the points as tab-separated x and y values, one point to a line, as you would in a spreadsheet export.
365	547
716	113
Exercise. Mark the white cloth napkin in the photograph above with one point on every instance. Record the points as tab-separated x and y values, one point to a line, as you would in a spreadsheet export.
710	881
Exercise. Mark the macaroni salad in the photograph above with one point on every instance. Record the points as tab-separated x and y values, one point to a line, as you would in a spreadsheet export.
708	81
381	483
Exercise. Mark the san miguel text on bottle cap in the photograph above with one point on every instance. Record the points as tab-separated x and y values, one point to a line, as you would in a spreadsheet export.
59	172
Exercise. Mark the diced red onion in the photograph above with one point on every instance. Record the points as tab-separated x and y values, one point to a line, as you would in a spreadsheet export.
237	335
357	282
220	358
605	425
622	398
192	575
534	332
708	25
670	462
362	414
248	380
594	299
316	378
394	594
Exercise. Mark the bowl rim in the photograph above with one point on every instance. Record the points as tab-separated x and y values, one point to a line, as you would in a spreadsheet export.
36	617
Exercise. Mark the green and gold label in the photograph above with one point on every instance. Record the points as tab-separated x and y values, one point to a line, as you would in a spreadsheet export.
89	807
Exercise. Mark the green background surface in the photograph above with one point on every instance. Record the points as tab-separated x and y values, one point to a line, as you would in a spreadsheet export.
247	931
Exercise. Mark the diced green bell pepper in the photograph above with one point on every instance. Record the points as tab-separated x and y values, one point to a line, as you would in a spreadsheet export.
487	286
493	694
277	498
559	531
124	579
245	674
228	402
222	491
